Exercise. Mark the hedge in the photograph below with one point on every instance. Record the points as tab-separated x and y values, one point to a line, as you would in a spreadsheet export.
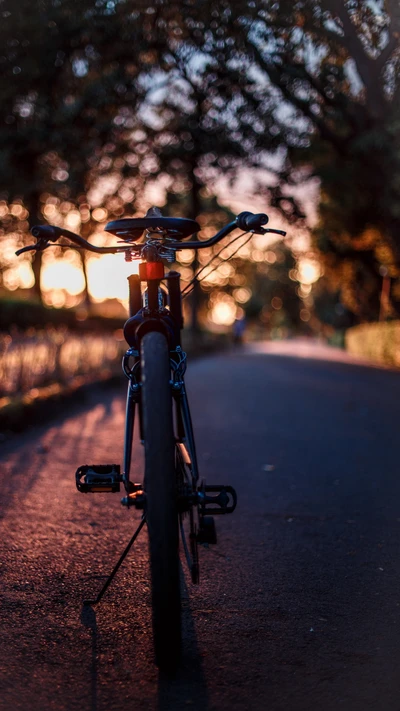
379	342
41	372
27	314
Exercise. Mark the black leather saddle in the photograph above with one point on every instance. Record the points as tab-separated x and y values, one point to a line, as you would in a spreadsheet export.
132	227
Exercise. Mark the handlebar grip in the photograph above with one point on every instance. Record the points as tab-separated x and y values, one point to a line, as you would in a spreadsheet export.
247	221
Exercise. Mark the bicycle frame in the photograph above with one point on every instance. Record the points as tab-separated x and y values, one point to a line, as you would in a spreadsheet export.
153	316
172	486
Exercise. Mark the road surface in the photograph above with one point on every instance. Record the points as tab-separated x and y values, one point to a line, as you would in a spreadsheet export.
299	604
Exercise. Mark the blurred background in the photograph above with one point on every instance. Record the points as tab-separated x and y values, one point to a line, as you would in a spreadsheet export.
204	109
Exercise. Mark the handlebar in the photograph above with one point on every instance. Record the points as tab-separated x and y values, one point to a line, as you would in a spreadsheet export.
53	233
245	221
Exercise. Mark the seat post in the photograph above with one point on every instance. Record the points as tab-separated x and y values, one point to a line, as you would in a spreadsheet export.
175	301
152	291
135	294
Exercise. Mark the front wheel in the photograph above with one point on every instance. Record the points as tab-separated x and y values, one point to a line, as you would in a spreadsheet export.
161	498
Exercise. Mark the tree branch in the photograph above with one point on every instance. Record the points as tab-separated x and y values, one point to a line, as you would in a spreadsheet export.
313	81
275	72
350	38
368	68
393	10
386	53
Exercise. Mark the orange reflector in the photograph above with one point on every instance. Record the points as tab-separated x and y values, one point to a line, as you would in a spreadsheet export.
151	270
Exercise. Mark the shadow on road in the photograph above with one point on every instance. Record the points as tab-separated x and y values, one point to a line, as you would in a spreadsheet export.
88	619
189	687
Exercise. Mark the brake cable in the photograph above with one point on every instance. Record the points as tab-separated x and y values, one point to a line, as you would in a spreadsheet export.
190	286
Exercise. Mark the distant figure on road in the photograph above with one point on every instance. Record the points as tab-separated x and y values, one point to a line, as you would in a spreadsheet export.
238	330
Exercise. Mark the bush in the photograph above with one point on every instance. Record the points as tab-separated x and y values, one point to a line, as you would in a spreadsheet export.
378	341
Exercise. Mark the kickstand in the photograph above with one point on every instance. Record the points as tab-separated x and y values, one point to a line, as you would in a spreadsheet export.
116	568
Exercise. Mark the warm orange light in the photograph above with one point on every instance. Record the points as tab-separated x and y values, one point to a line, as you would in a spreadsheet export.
223	310
19	211
242	294
99	214
108	275
49	211
61	274
73	220
276	303
19	277
186	256
309	271
305	315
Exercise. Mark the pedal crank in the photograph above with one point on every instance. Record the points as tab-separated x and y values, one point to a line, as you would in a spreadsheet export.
98	478
207	532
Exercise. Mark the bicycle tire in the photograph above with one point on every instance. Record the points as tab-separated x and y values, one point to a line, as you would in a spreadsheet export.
161	498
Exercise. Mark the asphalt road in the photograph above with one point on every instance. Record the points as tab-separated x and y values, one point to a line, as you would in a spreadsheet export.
299	604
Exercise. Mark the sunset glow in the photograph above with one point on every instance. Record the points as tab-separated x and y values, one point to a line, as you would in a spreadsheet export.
108	277
19	278
61	274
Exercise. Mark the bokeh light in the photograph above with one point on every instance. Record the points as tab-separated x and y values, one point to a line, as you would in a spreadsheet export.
62	274
223	310
309	270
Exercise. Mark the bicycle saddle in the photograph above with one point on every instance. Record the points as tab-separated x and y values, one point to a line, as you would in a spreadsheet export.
132	227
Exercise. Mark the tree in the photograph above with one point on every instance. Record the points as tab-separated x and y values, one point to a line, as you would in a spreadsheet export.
299	91
197	127
188	91
328	73
69	73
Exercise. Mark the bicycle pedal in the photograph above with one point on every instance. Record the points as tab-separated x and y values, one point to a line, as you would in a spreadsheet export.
100	478
207	532
223	503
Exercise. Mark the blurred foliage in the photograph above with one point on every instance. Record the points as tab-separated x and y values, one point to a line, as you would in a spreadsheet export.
380	342
274	289
25	315
329	307
70	74
261	279
336	66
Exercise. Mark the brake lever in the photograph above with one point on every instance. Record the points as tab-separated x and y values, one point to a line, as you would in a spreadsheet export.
275	232
39	246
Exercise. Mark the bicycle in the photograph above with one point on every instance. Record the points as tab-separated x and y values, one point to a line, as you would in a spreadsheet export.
155	364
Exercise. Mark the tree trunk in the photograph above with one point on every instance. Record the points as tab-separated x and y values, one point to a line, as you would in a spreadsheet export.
35	218
85	231
37	273
86	293
196	293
